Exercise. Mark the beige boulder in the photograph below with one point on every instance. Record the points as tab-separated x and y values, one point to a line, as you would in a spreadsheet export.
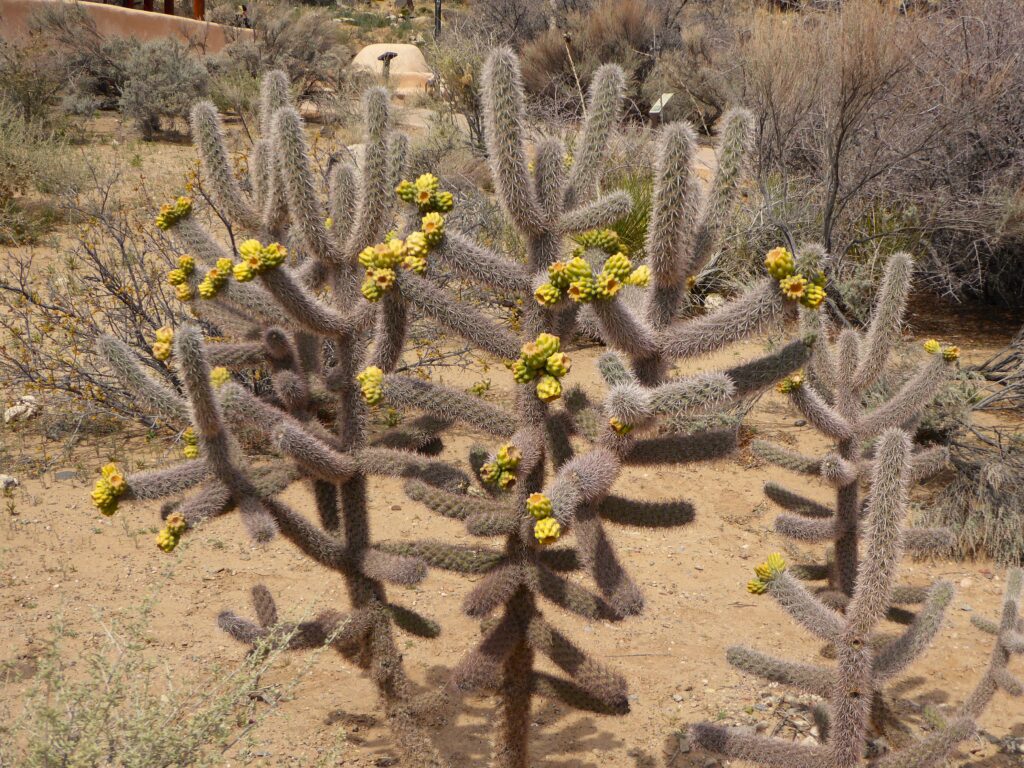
409	70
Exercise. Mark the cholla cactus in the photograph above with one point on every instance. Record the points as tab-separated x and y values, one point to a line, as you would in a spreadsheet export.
264	297
831	396
865	661
299	287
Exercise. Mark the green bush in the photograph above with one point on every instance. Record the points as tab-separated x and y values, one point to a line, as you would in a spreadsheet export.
164	80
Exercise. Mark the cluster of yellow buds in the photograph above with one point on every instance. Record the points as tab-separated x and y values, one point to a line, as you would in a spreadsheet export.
949	353
179	276
257	258
766	573
382	259
371	382
577	280
547	529
215	279
790	383
794	285
108	488
502	471
191	441
426	194
220	376
174	527
478	388
541	359
172	213
162	345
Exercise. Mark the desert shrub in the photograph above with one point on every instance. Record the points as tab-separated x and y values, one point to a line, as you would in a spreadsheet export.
30	81
32	160
119	705
94	67
164	80
457	61
51	313
621	31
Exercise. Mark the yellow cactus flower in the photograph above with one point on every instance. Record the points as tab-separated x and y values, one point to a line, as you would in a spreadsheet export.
558	274
547	531
162	351
490	472
508	456
166	540
618	265
558	364
756	587
606	286
416	245
415	264
432	227
547	295
176	523
950	354
243	272
932	347
250	249
186	264
793	287
177	277
191	451
771	567
813	296
220	376
183	292
329	223
639	277
427	181
506	480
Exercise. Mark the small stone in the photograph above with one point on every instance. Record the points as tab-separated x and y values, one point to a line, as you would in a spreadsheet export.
800	423
8	482
677	697
809	741
965	583
966	608
396	507
65	474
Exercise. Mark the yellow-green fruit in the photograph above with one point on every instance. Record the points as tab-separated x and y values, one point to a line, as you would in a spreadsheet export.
506	480
577	269
406	191
103	497
619	427
780	263
523	373
582	291
187	264
191	451
490	472
950	354
371	375
790	383
220	376
368	257
618	265
250	249
224	267
548	344
558	274
549	389
164	334
432	227
385	278
932	347
162	351
171	214
177	277
243	272
443	201
640	276
508	456
547	531
605	239
558	364
415	264
370	290
183	292
547	295
176	524
328	223
793	287
813	296
539	505
772	567
606	286
189	435
166	540
756	587
273	256
416	245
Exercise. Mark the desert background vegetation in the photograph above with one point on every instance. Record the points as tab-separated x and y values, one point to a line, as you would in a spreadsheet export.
879	128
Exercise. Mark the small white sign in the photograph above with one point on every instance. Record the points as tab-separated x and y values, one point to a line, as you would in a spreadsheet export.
660	104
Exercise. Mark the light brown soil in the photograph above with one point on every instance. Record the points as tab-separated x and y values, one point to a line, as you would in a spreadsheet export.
59	558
